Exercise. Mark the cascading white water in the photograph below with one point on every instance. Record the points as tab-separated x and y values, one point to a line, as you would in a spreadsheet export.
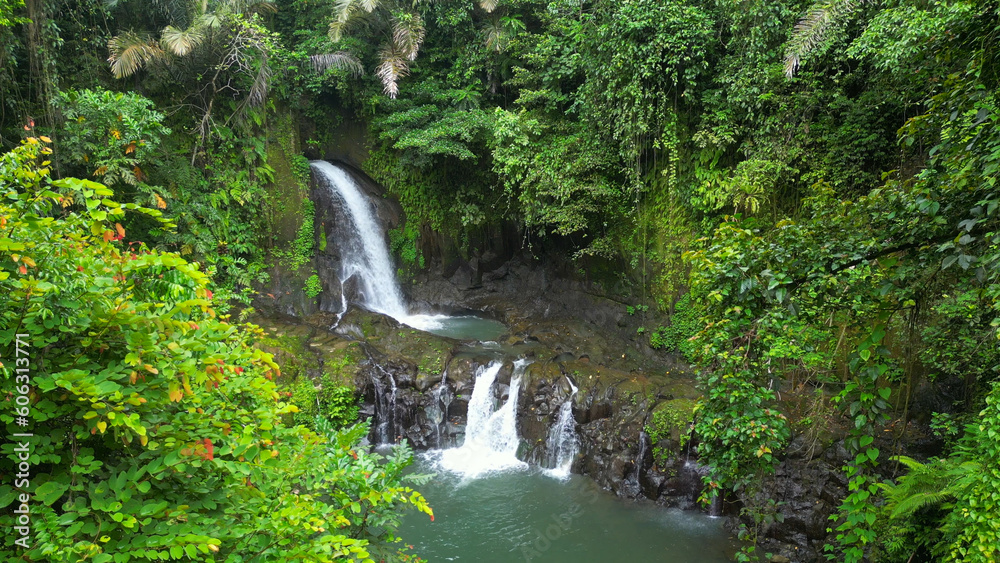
364	253
368	256
562	443
491	439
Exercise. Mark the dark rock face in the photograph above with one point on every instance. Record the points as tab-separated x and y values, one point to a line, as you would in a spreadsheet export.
807	486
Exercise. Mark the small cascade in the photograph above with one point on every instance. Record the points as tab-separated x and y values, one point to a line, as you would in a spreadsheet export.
562	444
342	312
385	406
632	486
491	439
437	412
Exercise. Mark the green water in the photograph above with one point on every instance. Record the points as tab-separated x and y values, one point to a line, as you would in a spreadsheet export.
466	327
529	516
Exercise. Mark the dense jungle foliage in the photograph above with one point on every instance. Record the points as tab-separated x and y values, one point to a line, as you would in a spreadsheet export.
806	192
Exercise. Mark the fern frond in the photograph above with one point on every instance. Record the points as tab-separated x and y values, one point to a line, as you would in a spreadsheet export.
909	462
489	5
913	503
341	60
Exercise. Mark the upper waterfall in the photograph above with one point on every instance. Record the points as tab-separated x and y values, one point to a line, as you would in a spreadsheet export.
366	254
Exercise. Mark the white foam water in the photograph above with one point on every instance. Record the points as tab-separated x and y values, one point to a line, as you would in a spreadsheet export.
491	439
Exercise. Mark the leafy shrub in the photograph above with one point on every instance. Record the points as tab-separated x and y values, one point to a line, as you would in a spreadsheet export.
337	404
109	135
157	426
314	286
670	421
403	242
684	324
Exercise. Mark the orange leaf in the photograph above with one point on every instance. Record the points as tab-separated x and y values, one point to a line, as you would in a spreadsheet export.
120	229
108	235
130	148
160	202
28	262
22	269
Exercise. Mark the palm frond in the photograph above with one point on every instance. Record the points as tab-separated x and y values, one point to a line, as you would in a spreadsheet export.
263	6
341	60
342	12
336	30
489	5
393	67
247	6
494	35
209	21
181	41
814	27
408	33
130	52
368	5
261	84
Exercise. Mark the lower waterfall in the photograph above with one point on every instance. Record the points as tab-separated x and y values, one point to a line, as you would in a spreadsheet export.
491	439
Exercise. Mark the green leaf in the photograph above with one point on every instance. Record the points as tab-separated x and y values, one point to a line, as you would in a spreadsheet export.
50	491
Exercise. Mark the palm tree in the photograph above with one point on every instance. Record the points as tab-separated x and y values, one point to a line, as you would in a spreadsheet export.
405	33
234	45
498	32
